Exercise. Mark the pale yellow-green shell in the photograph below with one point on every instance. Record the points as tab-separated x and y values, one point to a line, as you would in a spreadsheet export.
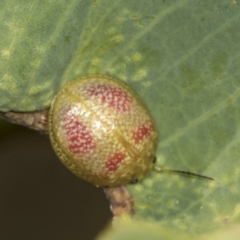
102	131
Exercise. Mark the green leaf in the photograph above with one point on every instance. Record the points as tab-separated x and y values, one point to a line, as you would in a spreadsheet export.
181	56
196	107
125	228
38	41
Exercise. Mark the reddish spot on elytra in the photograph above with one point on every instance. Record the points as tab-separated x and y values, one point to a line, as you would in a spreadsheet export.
78	137
115	97
142	132
113	163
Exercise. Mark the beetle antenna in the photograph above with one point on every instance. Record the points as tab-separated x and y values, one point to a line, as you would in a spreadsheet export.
181	172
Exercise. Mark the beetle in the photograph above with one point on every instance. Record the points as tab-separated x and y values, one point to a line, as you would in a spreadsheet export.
103	132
